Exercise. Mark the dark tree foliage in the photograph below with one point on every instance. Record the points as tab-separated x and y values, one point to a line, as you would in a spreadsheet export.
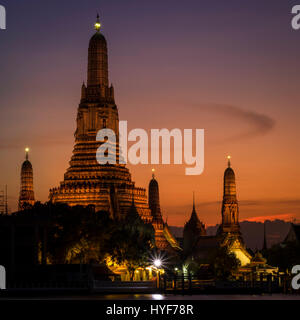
81	235
73	234
224	263
131	242
284	256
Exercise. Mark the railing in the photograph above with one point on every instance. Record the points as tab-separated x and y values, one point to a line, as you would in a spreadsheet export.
190	284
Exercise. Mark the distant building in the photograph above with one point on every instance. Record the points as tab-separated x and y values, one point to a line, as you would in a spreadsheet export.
26	197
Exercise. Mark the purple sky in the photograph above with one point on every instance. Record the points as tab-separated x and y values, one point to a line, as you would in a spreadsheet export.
230	67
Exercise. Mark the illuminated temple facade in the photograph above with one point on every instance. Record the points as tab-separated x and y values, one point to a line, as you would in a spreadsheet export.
199	245
107	187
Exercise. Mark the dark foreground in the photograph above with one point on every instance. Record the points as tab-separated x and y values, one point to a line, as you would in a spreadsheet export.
155	297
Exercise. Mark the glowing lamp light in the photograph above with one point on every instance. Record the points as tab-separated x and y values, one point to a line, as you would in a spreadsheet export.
97	25
228	157
26	149
157	263
157	297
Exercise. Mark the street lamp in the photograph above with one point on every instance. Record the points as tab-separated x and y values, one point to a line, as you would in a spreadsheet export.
157	263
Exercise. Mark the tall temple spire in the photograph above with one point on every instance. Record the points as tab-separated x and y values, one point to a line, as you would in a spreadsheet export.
86	182
153	194
163	238
230	209
26	190
98	62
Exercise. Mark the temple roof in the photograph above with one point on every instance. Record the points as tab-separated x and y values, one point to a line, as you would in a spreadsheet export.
194	224
258	258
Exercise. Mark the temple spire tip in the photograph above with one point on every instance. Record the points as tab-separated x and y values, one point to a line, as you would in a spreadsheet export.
97	24
229	163
153	173
26	153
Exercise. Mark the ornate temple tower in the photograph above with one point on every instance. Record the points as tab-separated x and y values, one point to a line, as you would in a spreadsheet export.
26	190
163	237
107	187
157	220
230	208
193	229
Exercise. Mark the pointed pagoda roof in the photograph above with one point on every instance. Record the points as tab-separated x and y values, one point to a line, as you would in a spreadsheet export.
194	221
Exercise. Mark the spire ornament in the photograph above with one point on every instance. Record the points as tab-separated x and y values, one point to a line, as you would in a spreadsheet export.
98	24
26	153
229	163
153	173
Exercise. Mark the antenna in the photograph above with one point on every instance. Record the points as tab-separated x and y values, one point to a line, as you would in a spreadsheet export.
6	202
2	201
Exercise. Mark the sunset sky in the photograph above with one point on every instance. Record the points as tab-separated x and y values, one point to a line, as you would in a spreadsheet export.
229	67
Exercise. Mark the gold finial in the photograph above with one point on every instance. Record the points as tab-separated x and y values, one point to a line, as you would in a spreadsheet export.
153	173
26	153
97	24
229	164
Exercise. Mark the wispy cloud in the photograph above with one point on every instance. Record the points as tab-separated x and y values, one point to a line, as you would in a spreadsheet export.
255	124
285	217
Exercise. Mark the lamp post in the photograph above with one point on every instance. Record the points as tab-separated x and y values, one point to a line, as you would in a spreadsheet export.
157	263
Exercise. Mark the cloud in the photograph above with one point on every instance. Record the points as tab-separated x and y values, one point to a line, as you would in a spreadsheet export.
288	217
256	123
286	202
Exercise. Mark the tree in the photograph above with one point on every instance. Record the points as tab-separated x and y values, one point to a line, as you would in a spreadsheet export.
131	242
73	234
284	256
224	263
